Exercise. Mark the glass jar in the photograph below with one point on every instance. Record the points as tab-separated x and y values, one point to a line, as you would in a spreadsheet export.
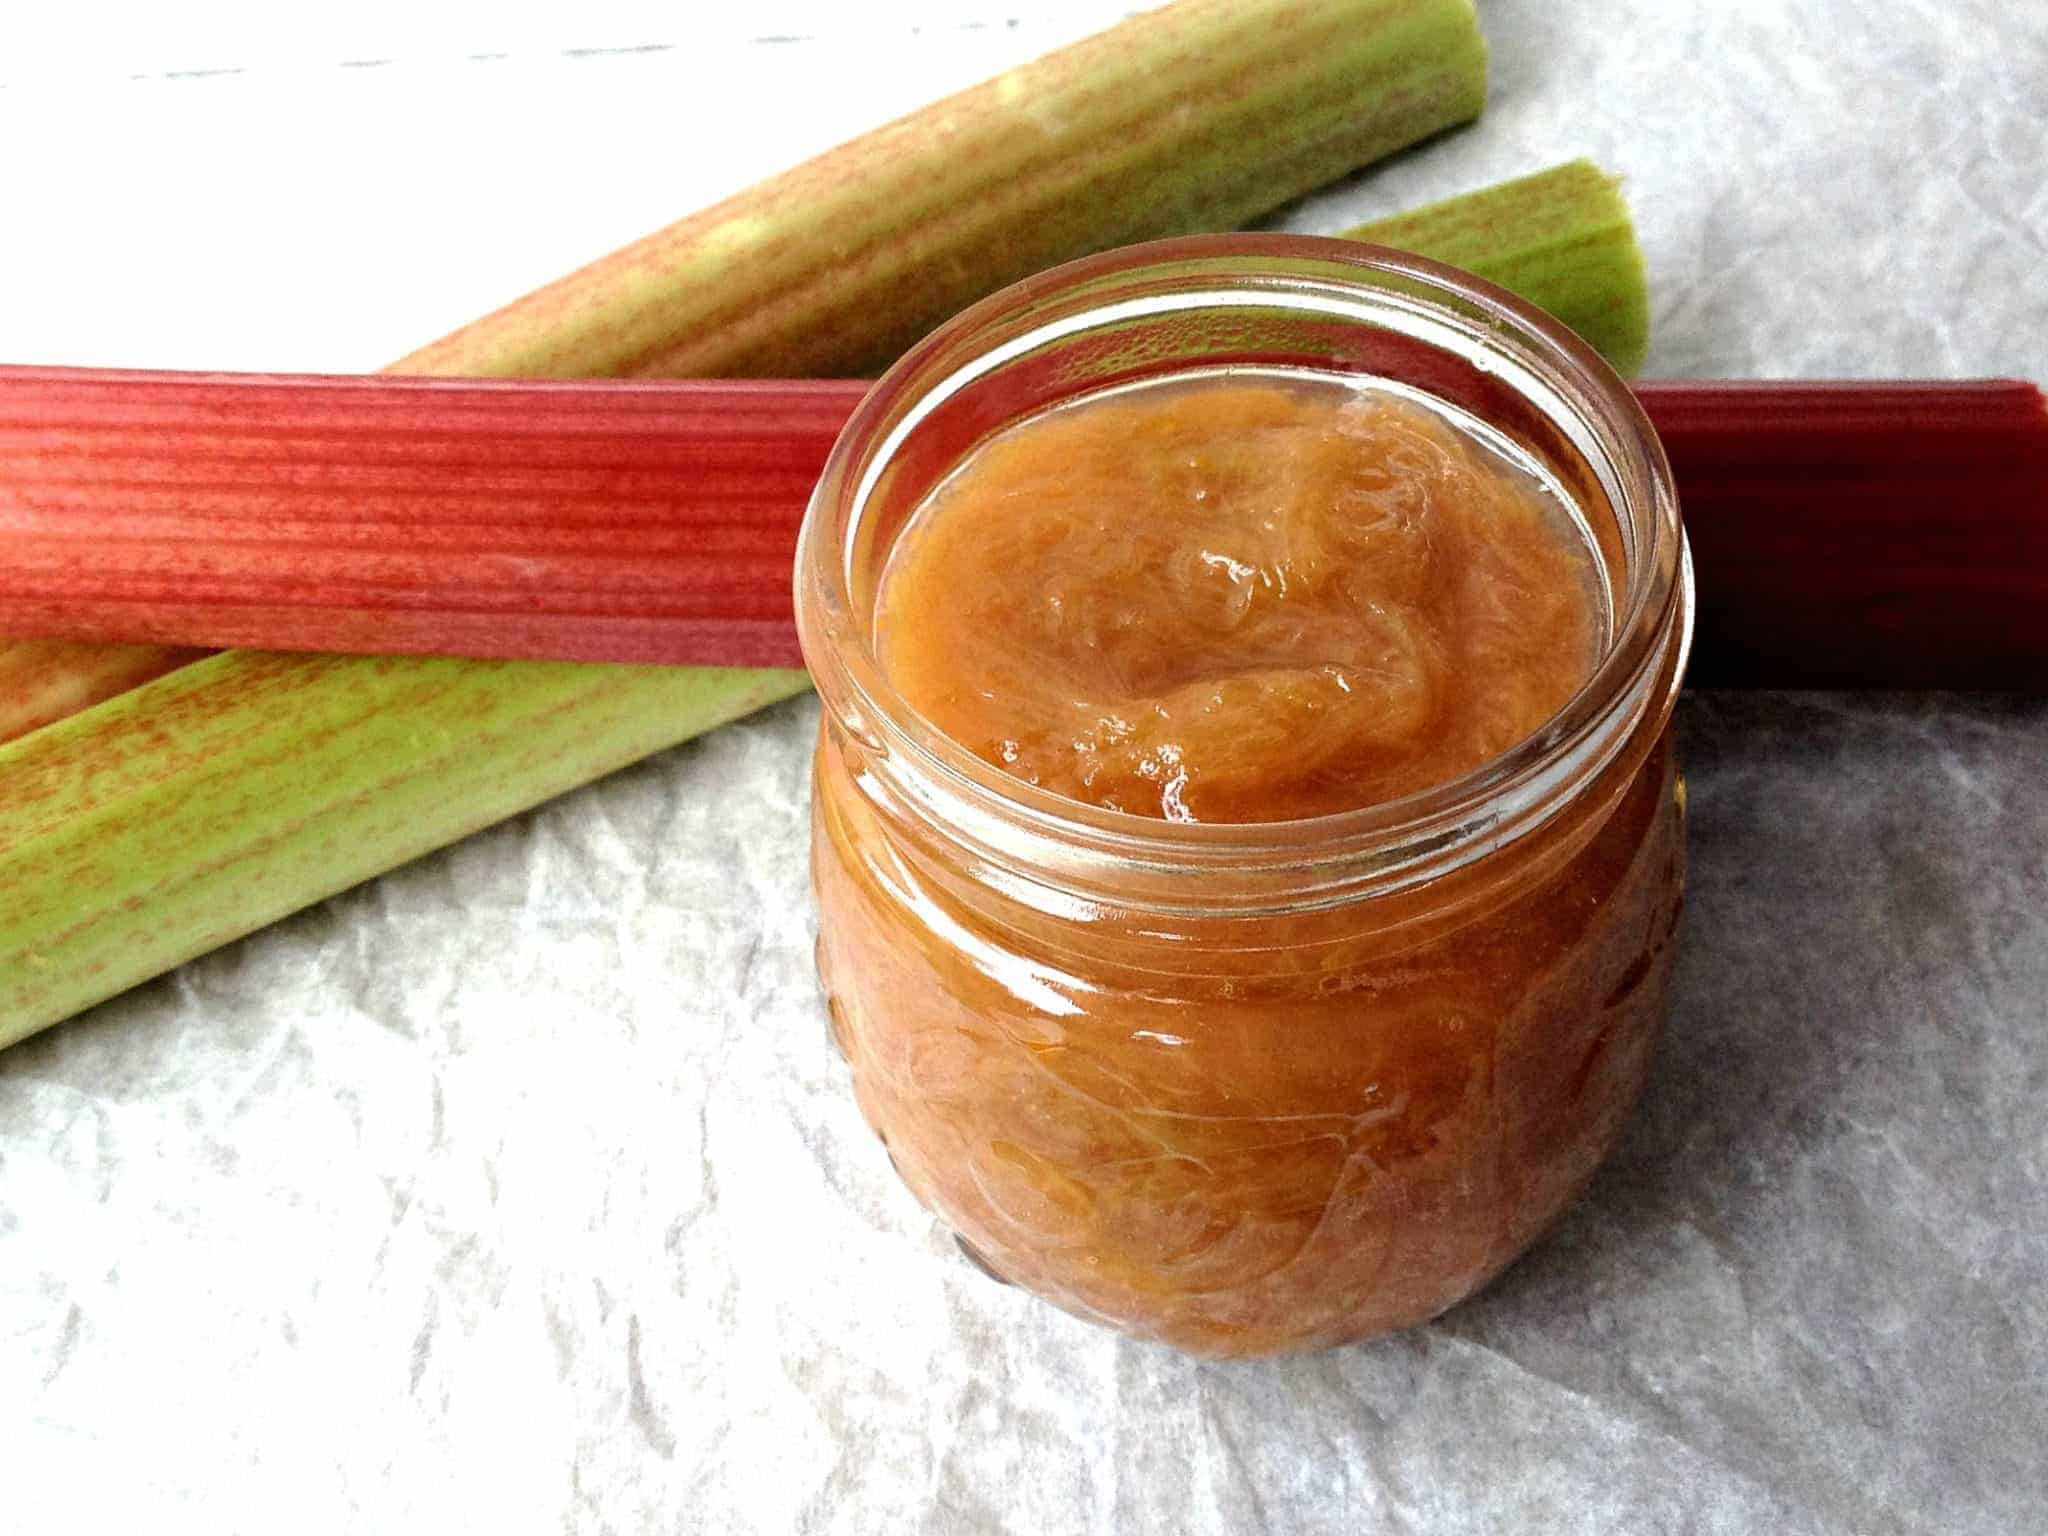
1263	1087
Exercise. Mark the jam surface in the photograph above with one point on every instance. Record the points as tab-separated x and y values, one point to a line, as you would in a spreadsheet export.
1224	599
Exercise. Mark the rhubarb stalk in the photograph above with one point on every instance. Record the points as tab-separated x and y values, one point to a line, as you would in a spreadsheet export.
589	521
1864	535
1197	116
1561	238
184	814
655	521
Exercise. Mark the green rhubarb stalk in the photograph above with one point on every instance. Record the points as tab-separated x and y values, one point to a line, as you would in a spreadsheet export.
1562	239
183	814
1199	116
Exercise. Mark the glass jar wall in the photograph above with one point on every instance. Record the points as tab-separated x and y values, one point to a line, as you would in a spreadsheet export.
1248	1088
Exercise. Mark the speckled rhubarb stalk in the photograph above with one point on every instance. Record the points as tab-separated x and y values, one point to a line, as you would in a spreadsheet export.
183	815
1198	116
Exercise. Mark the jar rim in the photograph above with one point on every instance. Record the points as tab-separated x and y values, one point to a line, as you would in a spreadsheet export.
1089	852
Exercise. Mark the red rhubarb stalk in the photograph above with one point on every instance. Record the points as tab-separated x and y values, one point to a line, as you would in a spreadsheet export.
1863	535
1844	535
586	522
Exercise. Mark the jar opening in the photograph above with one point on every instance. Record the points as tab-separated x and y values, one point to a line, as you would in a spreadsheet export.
1222	302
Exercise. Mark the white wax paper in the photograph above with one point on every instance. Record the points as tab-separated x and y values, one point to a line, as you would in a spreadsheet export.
520	1191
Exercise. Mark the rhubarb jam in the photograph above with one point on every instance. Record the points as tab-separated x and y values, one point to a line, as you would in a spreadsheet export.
1246	836
1212	599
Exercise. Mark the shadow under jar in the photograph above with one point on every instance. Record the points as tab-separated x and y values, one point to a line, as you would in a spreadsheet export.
1247	1088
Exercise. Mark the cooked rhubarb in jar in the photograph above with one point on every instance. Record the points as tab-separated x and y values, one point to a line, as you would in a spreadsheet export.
1247	841
1211	599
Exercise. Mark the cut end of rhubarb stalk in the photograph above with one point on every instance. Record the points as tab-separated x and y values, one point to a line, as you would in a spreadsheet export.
1562	239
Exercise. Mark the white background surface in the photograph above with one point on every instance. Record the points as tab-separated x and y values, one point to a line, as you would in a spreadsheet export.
519	1190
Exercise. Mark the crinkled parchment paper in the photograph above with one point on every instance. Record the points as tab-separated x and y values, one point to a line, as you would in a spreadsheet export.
520	1191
